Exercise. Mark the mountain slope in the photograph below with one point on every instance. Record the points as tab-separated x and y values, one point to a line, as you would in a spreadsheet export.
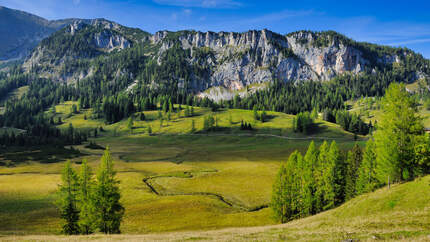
218	65
20	32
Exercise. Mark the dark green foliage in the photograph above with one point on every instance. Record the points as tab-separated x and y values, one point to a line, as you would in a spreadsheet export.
303	123
68	200
245	126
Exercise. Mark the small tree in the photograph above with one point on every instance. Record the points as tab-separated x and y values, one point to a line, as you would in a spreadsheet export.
255	113
142	116
130	124
149	130
193	126
68	200
109	210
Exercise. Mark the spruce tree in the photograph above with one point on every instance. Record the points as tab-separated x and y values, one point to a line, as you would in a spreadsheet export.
86	200
109	210
354	161
68	200
366	180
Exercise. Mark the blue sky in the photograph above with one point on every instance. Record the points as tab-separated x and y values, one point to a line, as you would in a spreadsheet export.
396	23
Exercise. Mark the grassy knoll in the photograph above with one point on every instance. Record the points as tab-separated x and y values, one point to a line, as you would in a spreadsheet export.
172	180
399	213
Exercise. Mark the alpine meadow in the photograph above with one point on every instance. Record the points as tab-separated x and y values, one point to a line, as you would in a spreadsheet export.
110	132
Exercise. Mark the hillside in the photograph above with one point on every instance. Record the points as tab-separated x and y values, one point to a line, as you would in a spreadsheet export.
215	65
20	32
399	213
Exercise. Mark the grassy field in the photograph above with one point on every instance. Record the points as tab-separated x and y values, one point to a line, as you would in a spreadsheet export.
400	213
172	180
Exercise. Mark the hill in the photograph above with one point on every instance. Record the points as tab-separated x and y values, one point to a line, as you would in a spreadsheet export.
399	213
20	32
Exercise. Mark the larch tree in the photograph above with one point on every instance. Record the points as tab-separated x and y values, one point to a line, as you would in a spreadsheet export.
396	135
86	199
319	177
366	180
109	210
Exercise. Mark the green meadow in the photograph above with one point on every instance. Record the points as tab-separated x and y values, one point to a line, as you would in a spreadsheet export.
172	179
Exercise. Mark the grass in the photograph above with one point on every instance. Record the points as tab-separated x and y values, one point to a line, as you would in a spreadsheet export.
172	180
367	217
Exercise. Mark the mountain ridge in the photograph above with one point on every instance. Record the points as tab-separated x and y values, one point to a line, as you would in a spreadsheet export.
217	65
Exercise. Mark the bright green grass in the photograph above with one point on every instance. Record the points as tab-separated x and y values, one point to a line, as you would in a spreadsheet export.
240	169
401	213
203	180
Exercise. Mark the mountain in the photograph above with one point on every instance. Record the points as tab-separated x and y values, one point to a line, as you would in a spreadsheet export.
214	65
20	32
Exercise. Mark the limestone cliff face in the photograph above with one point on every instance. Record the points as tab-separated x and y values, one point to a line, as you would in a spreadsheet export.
257	57
233	63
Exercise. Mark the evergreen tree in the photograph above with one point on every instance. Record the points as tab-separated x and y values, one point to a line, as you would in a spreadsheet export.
142	116
366	180
68	200
109	210
130	124
285	194
255	112
193	126
354	161
311	159
396	135
86	200
319	177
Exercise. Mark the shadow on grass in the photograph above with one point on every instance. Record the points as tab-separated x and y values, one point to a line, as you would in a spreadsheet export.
43	154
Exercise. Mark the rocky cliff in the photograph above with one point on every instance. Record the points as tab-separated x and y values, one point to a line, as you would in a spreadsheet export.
222	64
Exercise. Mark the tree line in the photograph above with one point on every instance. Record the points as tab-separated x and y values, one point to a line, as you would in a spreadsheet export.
325	178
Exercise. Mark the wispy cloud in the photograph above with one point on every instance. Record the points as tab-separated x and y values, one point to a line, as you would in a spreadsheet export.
201	3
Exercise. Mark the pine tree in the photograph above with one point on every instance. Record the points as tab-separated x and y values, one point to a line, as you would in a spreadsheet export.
109	210
354	161
86	200
68	200
366	180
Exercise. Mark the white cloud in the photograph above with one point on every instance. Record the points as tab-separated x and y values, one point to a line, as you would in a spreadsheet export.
201	3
